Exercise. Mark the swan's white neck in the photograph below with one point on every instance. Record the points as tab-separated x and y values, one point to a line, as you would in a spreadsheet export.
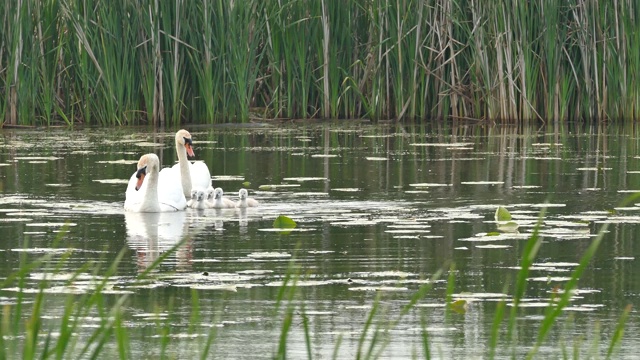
185	173
150	201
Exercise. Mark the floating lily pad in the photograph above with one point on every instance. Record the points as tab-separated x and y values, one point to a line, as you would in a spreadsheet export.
580	308
502	214
493	246
550	278
148	144
532	304
302	179
362	222
283	230
57	185
448	145
379	288
37	158
16	219
52	224
112	181
480	295
269	255
406	231
556	264
377	136
227	178
509	226
409	226
460	306
284	222
121	161
324	156
429	185
482	182
224	287
276	187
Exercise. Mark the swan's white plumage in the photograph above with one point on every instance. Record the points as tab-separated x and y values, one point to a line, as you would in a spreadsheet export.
244	200
194	175
198	199
217	200
156	193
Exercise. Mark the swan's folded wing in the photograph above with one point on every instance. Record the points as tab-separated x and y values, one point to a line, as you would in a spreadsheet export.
170	193
200	175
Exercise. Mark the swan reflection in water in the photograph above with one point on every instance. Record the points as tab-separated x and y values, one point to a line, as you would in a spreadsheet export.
151	234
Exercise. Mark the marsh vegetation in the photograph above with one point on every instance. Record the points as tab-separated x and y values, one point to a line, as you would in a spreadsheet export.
155	62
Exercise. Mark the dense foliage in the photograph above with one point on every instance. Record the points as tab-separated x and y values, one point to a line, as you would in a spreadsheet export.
169	62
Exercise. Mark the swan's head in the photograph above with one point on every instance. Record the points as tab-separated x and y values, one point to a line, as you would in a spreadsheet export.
217	193
194	194
146	164
243	194
209	193
200	195
183	138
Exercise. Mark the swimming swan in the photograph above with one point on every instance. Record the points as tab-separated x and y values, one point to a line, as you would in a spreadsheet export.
147	191
198	199
217	200
245	200
194	175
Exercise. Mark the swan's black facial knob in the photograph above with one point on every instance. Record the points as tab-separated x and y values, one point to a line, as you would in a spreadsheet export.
140	174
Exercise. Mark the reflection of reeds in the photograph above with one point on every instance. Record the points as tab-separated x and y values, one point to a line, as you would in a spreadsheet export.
156	62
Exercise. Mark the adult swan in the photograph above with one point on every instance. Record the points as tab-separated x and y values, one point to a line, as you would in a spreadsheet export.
194	175
147	191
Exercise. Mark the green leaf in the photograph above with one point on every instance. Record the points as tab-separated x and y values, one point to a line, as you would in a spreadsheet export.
266	187
509	226
459	306
502	214
246	184
284	222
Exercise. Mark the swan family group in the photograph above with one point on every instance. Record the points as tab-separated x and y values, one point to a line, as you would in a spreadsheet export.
153	190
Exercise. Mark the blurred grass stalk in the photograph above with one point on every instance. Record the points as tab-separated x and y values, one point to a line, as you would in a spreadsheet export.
210	61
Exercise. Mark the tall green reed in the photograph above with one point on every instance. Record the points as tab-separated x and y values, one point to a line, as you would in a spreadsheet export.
209	61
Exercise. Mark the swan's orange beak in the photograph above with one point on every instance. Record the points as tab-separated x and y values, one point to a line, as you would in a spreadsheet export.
140	176
189	150
139	183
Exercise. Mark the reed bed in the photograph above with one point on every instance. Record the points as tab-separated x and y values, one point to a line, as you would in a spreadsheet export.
163	63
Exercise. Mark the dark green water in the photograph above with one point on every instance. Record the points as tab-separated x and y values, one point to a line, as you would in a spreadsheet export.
380	209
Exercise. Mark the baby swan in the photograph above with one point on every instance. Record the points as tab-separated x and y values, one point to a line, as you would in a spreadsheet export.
245	200
217	200
198	199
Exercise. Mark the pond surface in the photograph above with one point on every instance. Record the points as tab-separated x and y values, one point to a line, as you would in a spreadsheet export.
380	209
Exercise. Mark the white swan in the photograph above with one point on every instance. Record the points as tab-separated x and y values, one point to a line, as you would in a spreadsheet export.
194	175
217	200
147	191
198	199
244	199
